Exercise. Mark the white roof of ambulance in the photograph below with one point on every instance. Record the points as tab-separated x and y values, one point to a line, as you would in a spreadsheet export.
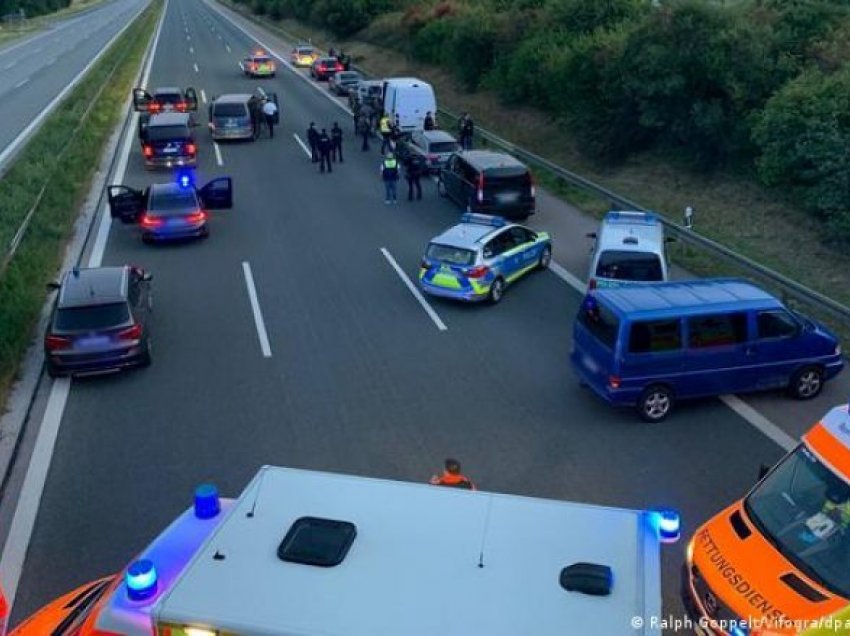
413	567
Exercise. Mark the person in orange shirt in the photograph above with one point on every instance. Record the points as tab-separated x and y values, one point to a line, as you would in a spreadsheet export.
452	477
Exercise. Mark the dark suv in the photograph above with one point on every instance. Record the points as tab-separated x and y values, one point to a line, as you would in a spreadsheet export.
99	321
488	183
167	140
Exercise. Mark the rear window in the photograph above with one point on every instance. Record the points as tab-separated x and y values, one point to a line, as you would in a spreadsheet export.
168	98
169	201
305	50
502	181
230	110
167	133
443	146
91	318
449	254
634	266
599	321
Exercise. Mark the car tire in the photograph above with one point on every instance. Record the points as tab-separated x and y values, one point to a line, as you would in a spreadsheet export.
52	371
145	359
806	383
655	403
497	290
545	258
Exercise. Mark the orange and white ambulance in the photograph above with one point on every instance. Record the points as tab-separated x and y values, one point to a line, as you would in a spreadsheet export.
778	560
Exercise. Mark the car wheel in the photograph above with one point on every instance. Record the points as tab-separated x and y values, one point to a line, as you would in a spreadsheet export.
52	371
145	360
806	383
497	290
655	403
545	258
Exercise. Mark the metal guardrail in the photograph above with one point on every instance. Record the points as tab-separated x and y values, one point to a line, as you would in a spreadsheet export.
787	288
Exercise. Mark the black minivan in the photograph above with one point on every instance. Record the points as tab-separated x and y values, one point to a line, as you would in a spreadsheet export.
488	183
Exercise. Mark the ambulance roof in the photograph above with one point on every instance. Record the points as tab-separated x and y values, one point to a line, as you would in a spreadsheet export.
425	560
830	439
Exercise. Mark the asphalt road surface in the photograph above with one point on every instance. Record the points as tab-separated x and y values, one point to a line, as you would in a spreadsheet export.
34	70
357	377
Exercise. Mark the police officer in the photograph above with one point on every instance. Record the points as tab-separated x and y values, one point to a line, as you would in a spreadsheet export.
325	145
336	142
270	111
467	132
389	174
364	129
452	477
386	130
313	140
428	124
413	169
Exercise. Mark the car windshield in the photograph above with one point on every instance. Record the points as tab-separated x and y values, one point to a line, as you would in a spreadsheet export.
507	181
803	508
443	146
347	77
229	110
626	265
262	60
176	200
305	51
167	133
168	98
91	318
449	254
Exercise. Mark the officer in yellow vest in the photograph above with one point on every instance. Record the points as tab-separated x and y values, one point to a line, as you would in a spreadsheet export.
385	129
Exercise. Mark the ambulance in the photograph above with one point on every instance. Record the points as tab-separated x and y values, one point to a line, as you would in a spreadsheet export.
310	553
778	561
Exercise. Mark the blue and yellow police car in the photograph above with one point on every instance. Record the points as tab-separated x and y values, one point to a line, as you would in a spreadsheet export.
480	256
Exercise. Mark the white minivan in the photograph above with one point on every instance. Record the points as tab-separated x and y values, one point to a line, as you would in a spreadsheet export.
409	98
629	247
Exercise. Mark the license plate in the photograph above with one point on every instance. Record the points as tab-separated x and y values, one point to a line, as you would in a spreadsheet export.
93	341
507	197
170	150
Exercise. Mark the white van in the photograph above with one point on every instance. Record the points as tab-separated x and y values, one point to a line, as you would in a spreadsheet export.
410	99
629	248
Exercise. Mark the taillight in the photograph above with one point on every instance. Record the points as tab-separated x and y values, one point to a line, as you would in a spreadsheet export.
481	188
253	66
190	149
154	107
147	150
55	343
591	285
478	272
130	333
196	217
149	221
614	381
181	106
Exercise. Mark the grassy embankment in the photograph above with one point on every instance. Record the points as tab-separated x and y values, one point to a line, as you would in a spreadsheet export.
732	209
65	152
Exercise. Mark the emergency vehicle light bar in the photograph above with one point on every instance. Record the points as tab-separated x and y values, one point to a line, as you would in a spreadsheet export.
483	219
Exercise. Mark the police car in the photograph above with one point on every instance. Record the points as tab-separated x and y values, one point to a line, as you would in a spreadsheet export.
476	259
258	64
311	553
168	211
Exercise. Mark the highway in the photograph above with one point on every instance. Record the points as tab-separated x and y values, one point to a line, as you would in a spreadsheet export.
354	375
35	70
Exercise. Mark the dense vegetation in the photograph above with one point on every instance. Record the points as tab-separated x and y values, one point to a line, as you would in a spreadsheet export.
32	7
752	85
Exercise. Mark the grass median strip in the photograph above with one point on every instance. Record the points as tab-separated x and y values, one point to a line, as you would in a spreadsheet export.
65	153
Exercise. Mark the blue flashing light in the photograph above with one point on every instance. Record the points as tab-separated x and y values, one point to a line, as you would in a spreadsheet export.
207	504
483	219
668	524
141	580
185	179
632	217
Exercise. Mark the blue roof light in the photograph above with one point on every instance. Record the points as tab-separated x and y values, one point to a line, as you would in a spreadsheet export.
483	219
207	504
668	524
141	580
185	179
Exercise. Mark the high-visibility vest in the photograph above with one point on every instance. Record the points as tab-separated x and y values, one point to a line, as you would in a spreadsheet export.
385	124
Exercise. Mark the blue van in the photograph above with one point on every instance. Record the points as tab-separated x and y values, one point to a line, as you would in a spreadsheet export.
650	345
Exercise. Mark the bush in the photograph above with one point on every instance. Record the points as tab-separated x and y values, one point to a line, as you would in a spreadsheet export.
803	134
583	16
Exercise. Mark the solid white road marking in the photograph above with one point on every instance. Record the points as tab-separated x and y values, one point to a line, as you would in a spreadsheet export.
197	70
29	501
255	307
203	96
22	82
759	421
303	145
416	293
571	279
218	158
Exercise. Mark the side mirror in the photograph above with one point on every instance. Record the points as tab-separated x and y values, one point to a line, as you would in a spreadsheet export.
763	470
53	285
591	235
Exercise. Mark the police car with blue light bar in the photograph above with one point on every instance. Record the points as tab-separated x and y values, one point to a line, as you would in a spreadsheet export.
309	553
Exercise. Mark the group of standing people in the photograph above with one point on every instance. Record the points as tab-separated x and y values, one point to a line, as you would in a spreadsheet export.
325	148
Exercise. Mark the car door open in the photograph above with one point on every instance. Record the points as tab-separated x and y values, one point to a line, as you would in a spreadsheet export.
141	100
125	203
217	194
273	97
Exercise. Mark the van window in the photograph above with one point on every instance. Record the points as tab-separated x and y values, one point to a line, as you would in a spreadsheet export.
507	182
655	335
717	330
230	110
599	321
166	133
626	265
776	324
